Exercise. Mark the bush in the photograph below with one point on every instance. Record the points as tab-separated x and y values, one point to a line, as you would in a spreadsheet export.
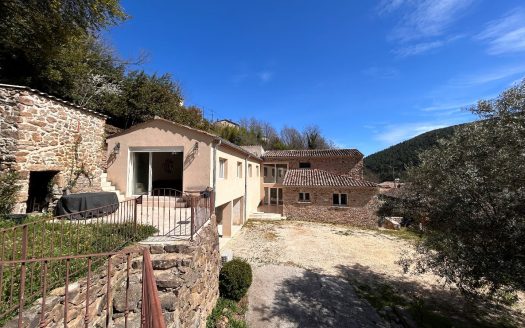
234	279
8	190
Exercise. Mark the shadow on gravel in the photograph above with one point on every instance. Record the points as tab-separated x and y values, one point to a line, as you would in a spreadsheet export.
318	300
314	299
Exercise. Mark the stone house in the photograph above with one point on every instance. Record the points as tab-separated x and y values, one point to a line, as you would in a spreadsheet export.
318	185
54	146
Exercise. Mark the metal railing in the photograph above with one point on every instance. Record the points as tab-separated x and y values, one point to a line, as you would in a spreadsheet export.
37	255
97	278
174	213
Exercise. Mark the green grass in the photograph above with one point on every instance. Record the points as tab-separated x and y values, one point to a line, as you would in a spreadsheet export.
230	309
53	240
424	314
403	233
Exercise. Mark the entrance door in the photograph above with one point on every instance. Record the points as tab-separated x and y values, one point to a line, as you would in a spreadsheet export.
141	173
276	196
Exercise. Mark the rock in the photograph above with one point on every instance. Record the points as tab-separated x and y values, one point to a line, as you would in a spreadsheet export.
134	297
391	223
165	261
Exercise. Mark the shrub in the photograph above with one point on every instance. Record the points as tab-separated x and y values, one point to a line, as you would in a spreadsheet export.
234	279
8	190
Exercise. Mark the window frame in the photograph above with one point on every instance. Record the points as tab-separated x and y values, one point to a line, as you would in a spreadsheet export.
239	170
304	197
340	197
223	168
249	170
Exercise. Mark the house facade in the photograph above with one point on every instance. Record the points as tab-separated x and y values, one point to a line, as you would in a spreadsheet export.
160	154
52	144
318	185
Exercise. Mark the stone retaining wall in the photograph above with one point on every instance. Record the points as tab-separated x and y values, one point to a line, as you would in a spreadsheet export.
187	275
362	203
39	132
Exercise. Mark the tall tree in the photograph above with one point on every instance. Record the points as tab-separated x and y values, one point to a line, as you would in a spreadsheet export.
471	190
292	138
34	33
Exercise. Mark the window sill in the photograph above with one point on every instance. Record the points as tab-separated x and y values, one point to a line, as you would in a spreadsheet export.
300	202
339	206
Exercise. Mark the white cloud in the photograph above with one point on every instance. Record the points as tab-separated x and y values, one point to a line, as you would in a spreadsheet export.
427	18
388	6
395	133
417	49
487	77
505	35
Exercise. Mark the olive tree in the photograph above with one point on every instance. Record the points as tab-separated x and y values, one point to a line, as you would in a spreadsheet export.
471	189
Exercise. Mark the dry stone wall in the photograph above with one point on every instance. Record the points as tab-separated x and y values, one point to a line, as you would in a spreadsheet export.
42	133
187	275
362	204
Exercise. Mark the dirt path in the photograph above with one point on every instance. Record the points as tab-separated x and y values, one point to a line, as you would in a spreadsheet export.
296	263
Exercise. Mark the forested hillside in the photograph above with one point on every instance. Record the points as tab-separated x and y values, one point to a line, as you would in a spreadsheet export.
392	162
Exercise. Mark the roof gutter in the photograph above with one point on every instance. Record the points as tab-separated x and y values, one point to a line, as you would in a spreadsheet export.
215	146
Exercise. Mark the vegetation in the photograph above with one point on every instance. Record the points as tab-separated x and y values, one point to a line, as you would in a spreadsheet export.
255	132
391	163
57	239
233	312
8	191
55	46
234	279
469	190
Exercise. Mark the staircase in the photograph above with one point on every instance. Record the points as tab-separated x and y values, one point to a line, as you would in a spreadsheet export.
266	216
106	185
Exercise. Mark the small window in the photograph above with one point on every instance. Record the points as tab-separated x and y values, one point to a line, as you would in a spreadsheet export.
257	169
222	168
304	165
239	170
304	197
273	172
265	172
250	170
340	200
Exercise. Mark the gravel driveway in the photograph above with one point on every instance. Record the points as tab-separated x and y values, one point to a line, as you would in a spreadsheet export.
300	271
306	274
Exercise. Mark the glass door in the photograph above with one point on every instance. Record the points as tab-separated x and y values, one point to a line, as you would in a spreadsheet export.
141	173
276	196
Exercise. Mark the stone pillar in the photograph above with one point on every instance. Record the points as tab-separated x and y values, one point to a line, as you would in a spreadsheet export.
227	219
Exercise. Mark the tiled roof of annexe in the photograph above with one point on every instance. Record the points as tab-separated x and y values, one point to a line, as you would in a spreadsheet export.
320	178
312	153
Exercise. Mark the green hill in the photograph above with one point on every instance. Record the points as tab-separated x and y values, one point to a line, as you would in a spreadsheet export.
392	162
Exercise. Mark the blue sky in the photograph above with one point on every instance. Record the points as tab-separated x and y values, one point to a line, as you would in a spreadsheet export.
369	73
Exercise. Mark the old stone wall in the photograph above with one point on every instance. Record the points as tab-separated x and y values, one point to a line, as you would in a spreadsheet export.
359	212
187	275
351	166
43	133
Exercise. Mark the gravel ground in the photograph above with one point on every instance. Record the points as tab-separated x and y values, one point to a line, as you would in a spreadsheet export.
283	251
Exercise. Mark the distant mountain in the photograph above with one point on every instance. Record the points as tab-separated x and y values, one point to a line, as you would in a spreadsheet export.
392	162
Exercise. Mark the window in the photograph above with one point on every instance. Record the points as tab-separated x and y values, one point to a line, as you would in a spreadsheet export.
239	169
222	168
257	169
305	165
250	170
340	200
304	197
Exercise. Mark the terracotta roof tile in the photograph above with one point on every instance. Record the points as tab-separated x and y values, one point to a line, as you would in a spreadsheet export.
315	177
312	153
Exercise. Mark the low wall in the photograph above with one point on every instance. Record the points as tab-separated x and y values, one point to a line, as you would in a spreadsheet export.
187	275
